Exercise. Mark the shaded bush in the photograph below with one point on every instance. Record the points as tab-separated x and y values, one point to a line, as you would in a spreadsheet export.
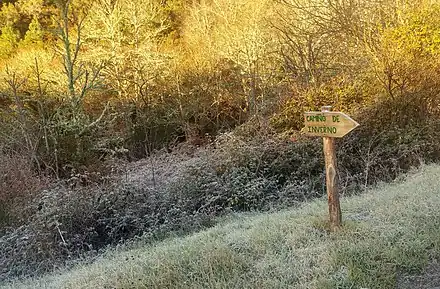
18	186
395	135
251	169
205	104
74	222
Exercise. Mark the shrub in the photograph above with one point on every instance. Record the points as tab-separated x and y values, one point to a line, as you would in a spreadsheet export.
251	169
395	135
18	186
72	222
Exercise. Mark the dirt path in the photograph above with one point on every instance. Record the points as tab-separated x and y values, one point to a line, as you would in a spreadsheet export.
429	279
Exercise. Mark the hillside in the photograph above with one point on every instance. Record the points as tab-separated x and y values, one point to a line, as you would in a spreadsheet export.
390	235
129	120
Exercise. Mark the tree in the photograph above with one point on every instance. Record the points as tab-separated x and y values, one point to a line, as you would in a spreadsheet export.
34	35
8	40
126	34
31	8
236	31
70	126
9	14
406	57
79	79
9	37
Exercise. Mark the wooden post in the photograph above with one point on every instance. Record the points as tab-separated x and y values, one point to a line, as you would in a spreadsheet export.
330	125
331	173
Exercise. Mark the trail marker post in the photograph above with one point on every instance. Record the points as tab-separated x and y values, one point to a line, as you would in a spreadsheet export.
330	125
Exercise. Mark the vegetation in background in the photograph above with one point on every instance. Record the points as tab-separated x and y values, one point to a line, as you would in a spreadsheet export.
93	78
173	194
221	86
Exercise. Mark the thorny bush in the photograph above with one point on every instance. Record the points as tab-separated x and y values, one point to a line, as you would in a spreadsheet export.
240	171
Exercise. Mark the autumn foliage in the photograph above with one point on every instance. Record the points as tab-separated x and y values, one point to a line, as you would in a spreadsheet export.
86	84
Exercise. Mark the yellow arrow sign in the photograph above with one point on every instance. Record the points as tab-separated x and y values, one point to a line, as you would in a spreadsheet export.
328	124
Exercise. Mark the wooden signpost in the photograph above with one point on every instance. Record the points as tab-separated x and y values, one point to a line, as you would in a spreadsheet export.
330	125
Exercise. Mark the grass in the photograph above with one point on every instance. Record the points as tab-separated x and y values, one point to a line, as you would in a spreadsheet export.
392	230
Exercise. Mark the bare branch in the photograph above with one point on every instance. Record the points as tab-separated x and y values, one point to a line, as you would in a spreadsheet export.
78	40
96	122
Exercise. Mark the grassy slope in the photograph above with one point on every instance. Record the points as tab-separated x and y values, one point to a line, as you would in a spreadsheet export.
388	231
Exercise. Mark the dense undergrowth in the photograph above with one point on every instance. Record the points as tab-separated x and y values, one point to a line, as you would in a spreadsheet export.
251	169
214	109
389	234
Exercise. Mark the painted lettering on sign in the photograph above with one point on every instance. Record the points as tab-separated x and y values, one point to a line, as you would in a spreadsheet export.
330	124
316	118
321	118
322	129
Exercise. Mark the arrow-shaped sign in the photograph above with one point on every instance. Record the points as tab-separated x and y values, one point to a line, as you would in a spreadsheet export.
328	124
